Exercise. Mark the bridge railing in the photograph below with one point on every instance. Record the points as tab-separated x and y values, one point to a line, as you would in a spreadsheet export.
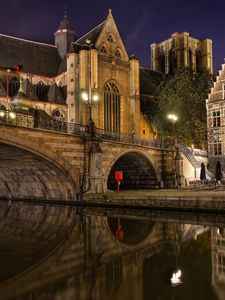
128	138
32	121
61	126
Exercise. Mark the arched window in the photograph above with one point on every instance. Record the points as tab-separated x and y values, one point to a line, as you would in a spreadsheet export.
14	85
42	90
103	49
111	107
110	38
118	54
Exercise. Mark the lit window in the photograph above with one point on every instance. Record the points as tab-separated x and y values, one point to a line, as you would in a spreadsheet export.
111	107
217	148
216	118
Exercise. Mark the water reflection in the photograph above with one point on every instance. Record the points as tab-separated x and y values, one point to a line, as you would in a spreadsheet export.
59	252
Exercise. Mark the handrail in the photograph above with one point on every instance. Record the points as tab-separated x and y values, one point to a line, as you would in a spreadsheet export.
22	119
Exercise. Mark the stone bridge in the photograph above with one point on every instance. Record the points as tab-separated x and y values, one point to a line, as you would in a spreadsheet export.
41	163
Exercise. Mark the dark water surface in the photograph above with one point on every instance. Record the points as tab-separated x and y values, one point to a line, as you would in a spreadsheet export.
74	253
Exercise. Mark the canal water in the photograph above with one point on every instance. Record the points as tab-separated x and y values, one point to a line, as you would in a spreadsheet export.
80	253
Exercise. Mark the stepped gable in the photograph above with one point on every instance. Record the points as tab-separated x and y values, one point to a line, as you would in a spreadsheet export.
54	95
35	58
2	90
218	90
29	89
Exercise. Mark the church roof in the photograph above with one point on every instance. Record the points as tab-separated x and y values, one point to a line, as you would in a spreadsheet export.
91	35
149	80
54	94
63	66
66	25
35	58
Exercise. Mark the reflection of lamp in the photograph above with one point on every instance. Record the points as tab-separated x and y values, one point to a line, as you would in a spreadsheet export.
119	231
176	278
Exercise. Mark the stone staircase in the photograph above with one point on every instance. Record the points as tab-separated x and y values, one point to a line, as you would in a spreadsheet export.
190	156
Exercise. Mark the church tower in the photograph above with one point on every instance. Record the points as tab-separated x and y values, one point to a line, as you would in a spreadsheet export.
64	36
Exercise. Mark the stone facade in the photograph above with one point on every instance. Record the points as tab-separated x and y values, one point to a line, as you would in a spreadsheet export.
181	50
96	63
215	107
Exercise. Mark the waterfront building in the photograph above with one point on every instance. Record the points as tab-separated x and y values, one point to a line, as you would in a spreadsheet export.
77	79
215	107
179	51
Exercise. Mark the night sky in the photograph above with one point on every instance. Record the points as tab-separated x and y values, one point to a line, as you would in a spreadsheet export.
140	22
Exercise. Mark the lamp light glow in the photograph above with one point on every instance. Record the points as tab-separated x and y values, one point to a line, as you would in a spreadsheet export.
84	96
95	97
2	113
176	278
172	117
12	115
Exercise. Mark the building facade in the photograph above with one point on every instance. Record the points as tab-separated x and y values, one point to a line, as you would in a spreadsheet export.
181	50
77	79
215	106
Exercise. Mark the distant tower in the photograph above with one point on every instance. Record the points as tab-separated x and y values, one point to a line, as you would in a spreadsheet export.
179	51
64	36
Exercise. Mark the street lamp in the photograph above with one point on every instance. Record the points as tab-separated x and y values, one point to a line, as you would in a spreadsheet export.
173	118
91	95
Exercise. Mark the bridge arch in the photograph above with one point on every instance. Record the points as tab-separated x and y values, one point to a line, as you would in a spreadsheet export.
139	171
47	175
134	231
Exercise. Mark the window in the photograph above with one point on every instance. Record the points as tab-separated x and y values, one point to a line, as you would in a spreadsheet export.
111	107
216	118
58	115
117	53
41	90
110	39
14	86
217	148
103	49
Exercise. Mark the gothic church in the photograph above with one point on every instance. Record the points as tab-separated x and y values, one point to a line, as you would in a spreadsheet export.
55	78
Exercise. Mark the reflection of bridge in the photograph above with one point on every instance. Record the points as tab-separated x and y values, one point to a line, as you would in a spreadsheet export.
58	160
90	261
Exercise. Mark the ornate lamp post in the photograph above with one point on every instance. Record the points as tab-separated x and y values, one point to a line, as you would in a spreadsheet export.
91	96
93	178
173	118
